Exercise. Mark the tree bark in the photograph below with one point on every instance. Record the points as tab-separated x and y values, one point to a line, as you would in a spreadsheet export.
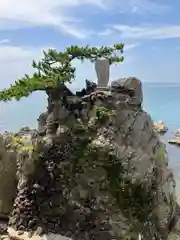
54	103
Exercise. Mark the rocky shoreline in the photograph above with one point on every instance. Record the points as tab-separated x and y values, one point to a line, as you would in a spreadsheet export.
161	128
176	139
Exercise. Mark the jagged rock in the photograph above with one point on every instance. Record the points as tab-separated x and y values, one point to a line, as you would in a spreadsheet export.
14	235
175	231
177	133
130	87
176	139
8	181
42	122
160	127
14	149
104	176
90	87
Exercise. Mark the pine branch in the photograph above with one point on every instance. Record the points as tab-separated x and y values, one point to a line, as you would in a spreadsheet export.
56	68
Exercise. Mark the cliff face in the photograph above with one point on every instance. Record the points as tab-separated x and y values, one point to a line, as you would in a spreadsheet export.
104	174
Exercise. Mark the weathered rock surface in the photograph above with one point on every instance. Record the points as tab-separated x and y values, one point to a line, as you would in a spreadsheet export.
26	236
160	127
8	180
104	175
176	139
177	133
12	147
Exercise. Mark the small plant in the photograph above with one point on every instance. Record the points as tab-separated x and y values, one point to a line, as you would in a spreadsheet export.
27	148
17	140
102	114
19	143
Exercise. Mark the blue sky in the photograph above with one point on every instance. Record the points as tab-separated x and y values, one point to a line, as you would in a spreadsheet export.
150	30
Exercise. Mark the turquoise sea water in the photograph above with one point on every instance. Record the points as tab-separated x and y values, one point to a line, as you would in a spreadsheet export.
161	101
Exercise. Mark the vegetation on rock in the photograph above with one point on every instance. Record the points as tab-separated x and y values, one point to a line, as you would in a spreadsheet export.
160	155
133	199
89	183
56	68
102	114
52	72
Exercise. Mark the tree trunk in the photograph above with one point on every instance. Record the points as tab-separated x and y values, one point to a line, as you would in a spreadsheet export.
54	98
54	104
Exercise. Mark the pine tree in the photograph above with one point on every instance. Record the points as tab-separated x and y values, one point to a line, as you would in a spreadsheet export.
53	71
56	68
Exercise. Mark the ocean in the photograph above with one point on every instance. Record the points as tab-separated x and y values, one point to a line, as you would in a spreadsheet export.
161	101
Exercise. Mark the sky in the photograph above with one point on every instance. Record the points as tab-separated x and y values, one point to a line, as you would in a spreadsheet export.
150	30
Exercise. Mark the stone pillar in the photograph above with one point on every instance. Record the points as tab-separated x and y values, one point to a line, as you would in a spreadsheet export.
102	72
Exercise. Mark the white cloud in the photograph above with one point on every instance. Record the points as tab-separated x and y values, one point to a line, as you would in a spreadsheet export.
4	41
24	13
136	6
144	32
130	46
15	61
106	32
144	6
16	14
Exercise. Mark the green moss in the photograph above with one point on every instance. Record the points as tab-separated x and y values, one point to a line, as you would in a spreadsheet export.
102	114
19	144
17	140
27	148
78	159
79	129
133	199
160	155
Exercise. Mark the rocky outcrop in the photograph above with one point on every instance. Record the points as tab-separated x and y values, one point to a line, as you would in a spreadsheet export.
160	127
11	146
103	174
7	178
177	133
176	139
26	236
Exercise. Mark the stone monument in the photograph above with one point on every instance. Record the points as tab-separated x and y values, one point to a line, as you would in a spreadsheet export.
102	71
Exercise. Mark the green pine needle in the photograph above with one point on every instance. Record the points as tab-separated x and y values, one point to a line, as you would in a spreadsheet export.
56	68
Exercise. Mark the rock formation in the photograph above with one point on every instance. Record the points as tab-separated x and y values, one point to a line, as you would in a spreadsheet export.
160	127
176	139
177	133
103	174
